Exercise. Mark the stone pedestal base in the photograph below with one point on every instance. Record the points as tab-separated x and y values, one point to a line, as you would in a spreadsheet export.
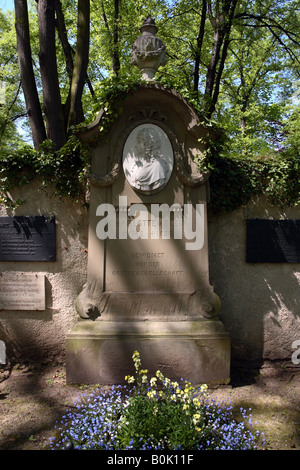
100	352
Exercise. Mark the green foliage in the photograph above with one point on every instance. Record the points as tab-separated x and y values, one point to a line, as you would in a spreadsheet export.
292	130
17	168
162	412
11	106
65	170
256	92
235	180
154	414
110	95
261	64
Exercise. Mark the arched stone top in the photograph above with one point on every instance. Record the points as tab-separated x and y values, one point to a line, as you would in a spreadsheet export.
151	91
166	108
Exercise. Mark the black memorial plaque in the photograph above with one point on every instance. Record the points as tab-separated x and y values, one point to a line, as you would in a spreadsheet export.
24	238
273	241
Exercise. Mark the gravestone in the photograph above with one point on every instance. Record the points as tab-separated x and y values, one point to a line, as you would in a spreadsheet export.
147	283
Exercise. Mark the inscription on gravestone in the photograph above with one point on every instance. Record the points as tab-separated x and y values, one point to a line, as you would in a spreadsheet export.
273	241
22	291
24	238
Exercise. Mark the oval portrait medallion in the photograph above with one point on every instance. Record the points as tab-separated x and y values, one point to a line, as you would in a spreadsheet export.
148	158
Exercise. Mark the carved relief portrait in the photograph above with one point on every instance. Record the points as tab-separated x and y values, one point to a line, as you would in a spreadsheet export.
148	158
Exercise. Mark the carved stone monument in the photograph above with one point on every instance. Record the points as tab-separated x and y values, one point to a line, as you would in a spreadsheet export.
147	283
148	51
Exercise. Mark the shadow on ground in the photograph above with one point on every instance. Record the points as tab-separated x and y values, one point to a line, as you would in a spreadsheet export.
34	398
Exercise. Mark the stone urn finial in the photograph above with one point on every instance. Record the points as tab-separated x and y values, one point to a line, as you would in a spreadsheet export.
148	51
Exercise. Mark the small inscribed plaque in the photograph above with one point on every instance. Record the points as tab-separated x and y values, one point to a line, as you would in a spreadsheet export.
273	241
22	291
27	238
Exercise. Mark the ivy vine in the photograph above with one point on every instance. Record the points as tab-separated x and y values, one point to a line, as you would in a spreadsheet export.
233	181
65	170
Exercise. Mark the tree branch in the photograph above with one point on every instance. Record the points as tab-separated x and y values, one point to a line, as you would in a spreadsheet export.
47	55
63	37
199	46
34	110
80	63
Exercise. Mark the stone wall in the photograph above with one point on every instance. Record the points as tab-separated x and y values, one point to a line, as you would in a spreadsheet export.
40	335
260	302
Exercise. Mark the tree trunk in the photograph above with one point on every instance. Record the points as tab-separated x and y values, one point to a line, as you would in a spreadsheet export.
221	24
115	57
114	36
219	33
68	54
48	66
80	63
199	47
27	75
63	37
226	42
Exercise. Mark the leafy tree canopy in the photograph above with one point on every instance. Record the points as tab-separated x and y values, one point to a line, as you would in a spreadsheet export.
236	61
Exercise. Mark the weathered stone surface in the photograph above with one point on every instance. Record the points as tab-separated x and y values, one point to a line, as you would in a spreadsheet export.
148	283
148	51
162	265
101	352
22	291
39	335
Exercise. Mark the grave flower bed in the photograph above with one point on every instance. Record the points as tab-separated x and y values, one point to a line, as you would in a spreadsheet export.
154	414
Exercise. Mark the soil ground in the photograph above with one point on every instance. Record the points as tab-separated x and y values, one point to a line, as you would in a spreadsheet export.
34	398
